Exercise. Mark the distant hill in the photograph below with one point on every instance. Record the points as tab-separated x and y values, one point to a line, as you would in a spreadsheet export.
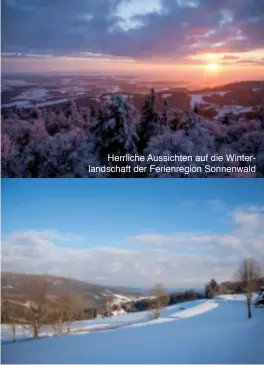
14	285
239	98
241	94
234	86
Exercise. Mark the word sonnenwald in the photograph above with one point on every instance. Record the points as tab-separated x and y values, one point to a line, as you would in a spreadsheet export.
184	170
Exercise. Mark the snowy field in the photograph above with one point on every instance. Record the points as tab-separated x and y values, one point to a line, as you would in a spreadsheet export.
212	331
98	323
221	110
26	104
198	98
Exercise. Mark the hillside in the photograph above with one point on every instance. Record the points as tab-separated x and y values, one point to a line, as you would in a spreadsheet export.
14	286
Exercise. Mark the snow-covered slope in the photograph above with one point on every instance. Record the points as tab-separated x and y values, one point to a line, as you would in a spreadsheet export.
236	297
217	332
199	309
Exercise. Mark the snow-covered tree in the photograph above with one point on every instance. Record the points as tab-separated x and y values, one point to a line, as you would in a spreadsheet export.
226	118
76	117
166	113
196	108
211	289
149	122
63	141
188	122
261	114
250	143
192	139
56	122
114	130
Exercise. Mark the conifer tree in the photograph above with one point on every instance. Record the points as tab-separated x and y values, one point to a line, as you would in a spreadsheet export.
196	108
261	114
114	130
149	121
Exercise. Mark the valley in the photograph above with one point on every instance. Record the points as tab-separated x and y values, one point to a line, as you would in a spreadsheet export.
29	91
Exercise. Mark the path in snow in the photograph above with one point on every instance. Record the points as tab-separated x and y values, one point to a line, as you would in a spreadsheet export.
199	309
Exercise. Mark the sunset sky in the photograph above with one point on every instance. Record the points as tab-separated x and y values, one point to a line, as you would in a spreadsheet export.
200	38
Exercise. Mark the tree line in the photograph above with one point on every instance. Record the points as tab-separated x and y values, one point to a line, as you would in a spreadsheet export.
42	307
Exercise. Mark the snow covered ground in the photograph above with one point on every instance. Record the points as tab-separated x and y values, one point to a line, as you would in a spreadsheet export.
198	98
234	109
212	331
194	311
221	110
166	96
14	83
32	94
103	323
26	104
236	297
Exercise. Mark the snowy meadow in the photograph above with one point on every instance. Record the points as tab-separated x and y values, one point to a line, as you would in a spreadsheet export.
206	331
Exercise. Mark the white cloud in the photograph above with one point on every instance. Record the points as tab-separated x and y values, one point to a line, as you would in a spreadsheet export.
251	220
188	3
127	10
178	260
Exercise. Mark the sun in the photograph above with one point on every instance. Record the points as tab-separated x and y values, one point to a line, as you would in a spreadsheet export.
212	67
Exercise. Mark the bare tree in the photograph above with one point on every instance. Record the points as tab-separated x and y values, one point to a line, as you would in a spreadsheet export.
62	310
57	319
36	310
10	315
161	299
249	273
222	289
108	303
70	304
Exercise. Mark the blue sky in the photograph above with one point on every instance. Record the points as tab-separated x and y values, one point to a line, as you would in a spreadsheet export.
117	221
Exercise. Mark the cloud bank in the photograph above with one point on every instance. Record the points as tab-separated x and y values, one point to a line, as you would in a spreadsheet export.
177	259
159	30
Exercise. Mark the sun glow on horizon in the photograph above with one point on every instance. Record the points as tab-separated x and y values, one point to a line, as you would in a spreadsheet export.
212	67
